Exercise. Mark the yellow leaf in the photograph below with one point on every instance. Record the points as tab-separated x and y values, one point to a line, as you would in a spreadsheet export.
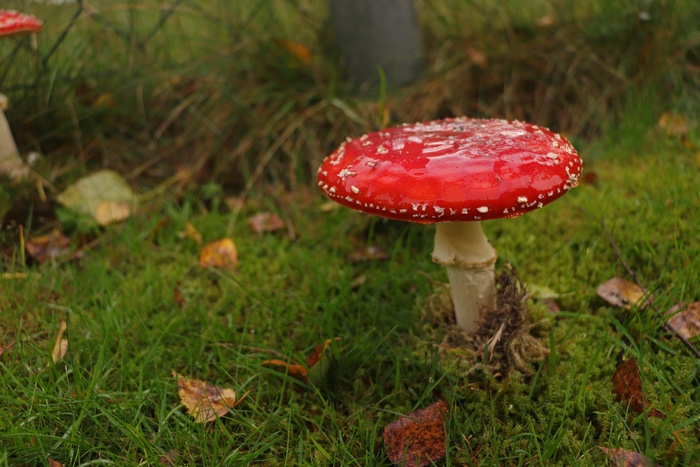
219	254
203	401
109	212
104	195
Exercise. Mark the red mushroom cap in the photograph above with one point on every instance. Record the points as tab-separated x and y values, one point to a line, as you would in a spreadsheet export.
451	170
12	22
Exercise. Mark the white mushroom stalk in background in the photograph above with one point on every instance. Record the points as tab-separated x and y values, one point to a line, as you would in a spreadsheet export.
455	173
11	164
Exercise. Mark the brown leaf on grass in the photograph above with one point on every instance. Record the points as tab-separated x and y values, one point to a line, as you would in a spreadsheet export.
219	254
371	253
265	222
624	458
60	346
419	438
170	458
54	463
627	386
191	232
45	247
623	293
203	401
685	319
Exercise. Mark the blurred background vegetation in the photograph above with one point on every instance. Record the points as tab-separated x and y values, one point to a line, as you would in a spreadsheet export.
247	92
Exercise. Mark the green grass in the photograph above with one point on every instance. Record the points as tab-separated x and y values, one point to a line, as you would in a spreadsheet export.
231	112
113	399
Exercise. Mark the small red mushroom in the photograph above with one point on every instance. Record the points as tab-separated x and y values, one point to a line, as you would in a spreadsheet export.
456	173
13	22
11	164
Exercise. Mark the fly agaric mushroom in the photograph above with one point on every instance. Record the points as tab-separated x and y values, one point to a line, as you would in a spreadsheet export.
13	23
456	173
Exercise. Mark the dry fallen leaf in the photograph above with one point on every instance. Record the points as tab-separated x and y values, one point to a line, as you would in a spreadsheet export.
60	346
627	386
624	458
219	254
191	232
265	222
54	463
203	401
419	438
46	247
685	319
371	253
293	369
623	293
104	195
297	49
317	365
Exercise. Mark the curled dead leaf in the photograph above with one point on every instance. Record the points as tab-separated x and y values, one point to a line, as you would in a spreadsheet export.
219	254
623	293
293	369
418	439
60	346
204	401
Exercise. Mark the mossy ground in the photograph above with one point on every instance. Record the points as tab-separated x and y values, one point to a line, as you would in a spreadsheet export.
113	398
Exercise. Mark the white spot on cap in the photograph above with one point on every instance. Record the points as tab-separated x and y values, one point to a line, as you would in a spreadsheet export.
355	189
332	189
382	150
522	199
553	156
483	209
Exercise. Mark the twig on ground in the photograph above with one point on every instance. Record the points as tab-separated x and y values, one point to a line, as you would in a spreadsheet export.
634	276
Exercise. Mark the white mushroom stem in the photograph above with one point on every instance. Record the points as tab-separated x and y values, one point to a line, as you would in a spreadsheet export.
11	164
469	258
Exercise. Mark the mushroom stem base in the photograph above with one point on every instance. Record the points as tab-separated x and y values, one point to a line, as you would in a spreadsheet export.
473	292
469	258
11	164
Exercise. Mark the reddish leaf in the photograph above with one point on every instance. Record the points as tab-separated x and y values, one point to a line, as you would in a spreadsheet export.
265	222
627	386
685	319
624	458
46	247
622	293
418	439
319	362
371	253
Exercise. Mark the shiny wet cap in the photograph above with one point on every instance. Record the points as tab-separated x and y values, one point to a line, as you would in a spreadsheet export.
451	170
